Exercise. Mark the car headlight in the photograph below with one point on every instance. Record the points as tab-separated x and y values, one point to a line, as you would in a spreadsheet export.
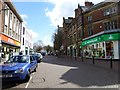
20	70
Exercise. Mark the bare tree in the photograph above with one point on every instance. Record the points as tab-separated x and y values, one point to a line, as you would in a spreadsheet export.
37	46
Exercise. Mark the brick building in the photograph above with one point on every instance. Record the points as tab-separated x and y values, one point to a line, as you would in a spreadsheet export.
94	31
102	30
65	37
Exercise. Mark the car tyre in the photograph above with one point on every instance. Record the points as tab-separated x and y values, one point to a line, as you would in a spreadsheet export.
27	77
35	69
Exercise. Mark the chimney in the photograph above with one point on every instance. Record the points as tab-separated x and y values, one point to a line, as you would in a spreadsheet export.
88	4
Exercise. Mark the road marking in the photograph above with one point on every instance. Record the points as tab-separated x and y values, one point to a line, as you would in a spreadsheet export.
28	83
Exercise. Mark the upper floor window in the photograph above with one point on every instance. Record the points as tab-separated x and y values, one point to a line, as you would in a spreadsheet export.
90	32
10	16
89	18
6	12
5	29
23	30
110	25
110	10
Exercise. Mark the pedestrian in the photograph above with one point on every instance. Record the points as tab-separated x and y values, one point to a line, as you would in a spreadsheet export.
21	53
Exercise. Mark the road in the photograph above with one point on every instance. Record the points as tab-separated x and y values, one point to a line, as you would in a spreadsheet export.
56	72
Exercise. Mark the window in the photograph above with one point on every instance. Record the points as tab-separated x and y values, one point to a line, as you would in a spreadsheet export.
110	10
6	12
114	24
90	32
13	33
23	41
110	25
5	29
89	18
23	30
10	32
10	16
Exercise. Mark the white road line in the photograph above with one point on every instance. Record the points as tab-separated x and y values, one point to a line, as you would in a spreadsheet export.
28	83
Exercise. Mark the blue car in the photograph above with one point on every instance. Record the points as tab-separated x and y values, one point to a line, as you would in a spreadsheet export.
18	68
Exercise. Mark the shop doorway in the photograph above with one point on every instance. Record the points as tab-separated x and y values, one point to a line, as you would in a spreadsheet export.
109	49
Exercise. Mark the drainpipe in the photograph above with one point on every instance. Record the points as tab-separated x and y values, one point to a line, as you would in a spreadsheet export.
82	33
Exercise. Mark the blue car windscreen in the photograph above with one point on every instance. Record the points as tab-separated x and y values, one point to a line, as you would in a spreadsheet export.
19	59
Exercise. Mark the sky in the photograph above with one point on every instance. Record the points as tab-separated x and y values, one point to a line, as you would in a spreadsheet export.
43	16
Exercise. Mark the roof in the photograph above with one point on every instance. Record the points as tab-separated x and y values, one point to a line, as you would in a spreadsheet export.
11	6
69	20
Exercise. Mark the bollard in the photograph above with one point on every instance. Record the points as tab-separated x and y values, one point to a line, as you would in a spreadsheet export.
111	62
82	58
75	58
93	60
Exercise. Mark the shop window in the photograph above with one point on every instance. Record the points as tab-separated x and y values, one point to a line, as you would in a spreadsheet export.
103	44
96	45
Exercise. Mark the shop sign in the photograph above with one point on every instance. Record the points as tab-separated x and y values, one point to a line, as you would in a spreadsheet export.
9	40
105	37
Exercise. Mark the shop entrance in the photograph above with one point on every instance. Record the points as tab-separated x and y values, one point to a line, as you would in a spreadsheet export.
109	49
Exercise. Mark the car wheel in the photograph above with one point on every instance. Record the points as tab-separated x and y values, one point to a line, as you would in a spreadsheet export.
35	69
27	77
39	61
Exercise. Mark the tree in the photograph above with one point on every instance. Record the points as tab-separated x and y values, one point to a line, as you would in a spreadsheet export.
37	46
58	39
48	48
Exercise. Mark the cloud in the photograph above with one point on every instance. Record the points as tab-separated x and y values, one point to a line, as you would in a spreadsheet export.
29	0
24	17
47	41
63	8
34	34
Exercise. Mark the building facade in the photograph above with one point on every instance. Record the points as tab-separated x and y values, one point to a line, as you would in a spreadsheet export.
94	31
26	40
10	29
102	30
66	37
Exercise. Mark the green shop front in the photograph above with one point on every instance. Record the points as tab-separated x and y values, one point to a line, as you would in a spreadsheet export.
102	46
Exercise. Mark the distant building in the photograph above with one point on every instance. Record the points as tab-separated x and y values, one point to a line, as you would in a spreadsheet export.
26	40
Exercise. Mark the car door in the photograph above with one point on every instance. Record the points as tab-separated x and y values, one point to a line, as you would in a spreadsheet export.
33	64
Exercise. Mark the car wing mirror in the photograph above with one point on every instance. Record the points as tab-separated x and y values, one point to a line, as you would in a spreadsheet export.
32	62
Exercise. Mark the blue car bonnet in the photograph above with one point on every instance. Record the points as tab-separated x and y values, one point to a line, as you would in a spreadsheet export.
12	66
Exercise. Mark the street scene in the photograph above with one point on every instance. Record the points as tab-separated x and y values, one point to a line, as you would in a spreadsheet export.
59	44
54	72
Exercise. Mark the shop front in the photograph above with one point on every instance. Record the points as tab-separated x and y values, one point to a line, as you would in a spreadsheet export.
103	46
9	47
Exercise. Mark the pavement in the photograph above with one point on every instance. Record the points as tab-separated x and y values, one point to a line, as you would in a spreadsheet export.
54	72
114	65
66	73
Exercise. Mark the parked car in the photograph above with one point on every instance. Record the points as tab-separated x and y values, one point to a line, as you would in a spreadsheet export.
38	57
18	68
